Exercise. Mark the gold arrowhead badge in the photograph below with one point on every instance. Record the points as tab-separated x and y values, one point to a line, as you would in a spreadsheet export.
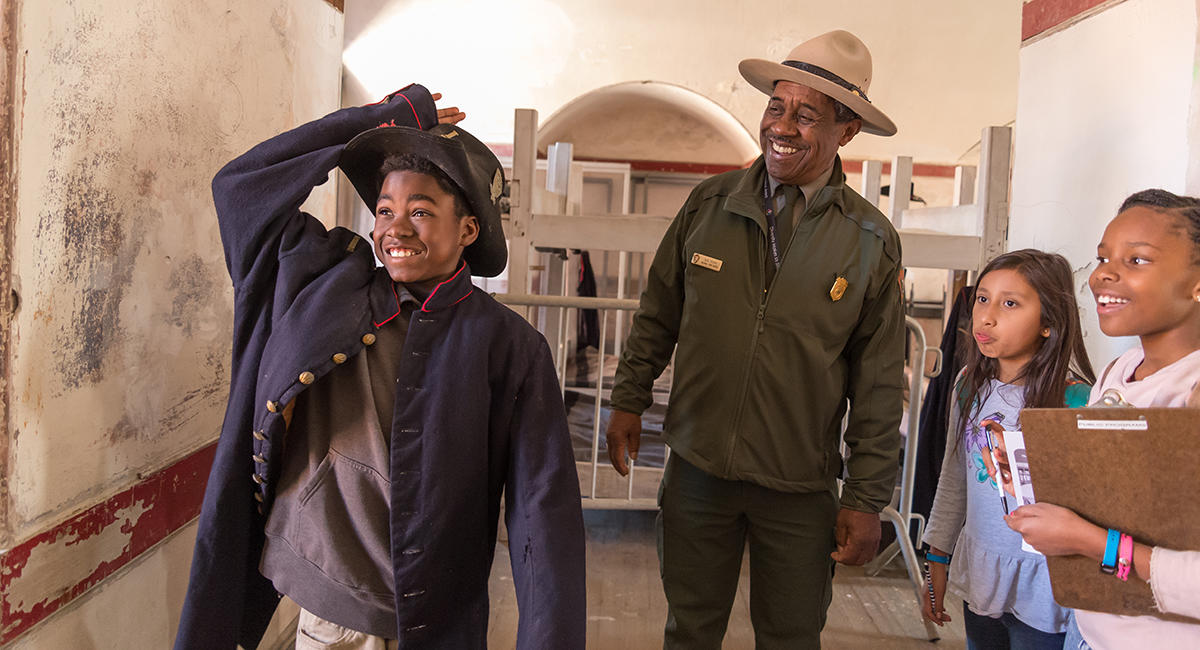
838	289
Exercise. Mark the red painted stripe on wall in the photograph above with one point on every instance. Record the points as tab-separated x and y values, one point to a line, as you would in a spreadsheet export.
501	149
707	169
1041	16
137	519
849	166
919	169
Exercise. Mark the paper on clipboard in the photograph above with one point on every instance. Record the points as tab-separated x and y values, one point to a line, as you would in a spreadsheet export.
1016	475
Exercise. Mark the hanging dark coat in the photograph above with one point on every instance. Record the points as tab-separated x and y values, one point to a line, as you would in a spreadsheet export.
931	443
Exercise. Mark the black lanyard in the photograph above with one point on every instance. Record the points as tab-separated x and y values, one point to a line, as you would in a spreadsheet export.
769	208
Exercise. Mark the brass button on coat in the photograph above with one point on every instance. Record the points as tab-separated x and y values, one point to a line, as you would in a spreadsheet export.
258	497
258	479
307	378
259	459
259	436
272	406
339	358
368	339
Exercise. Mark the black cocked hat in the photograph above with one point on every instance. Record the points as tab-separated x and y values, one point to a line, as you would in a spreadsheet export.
465	160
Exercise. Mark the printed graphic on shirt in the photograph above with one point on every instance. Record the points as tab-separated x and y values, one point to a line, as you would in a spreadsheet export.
978	451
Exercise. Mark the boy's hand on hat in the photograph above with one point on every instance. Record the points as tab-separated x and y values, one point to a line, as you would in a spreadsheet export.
449	115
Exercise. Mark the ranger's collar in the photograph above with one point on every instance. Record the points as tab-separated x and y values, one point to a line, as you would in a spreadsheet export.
746	197
386	299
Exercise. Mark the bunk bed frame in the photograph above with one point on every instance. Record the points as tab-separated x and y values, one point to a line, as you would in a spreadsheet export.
564	228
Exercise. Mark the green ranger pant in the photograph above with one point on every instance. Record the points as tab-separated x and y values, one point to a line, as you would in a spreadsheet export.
703	525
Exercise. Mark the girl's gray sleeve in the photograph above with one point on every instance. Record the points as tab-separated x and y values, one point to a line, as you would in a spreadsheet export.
950	502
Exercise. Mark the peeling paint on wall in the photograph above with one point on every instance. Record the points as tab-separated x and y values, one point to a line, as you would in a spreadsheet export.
119	355
121	348
45	572
42	574
110	133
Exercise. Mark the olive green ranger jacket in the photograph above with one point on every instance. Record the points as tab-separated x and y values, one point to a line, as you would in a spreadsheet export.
764	372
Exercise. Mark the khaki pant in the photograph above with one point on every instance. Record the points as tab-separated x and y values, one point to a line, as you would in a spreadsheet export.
316	633
703	526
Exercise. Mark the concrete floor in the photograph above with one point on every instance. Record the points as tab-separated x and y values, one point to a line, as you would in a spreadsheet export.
626	606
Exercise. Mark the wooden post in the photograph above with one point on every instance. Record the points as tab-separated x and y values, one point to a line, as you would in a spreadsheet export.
623	192
901	189
994	160
558	173
521	198
964	194
964	184
872	180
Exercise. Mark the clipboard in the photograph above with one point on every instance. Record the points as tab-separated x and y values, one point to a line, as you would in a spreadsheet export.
1133	469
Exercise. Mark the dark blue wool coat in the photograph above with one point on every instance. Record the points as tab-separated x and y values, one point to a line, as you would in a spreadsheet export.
478	413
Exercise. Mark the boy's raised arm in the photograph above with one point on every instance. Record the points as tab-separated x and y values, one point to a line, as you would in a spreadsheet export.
256	192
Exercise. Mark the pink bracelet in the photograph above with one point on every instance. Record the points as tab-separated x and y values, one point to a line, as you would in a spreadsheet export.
1124	557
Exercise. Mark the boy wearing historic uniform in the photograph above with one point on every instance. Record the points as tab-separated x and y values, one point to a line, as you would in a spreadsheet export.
377	413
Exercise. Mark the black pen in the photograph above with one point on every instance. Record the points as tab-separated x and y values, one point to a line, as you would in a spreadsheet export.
991	443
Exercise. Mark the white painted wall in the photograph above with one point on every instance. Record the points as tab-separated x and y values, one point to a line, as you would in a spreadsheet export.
120	349
1103	111
943	68
641	120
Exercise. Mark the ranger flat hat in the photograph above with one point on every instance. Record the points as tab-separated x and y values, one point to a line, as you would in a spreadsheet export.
837	64
465	160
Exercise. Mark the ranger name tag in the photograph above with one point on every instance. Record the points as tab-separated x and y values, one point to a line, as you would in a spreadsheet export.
706	261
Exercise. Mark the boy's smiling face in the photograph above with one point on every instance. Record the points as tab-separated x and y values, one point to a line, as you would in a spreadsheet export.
418	235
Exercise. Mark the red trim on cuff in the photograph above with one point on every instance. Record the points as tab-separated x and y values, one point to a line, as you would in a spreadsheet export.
414	110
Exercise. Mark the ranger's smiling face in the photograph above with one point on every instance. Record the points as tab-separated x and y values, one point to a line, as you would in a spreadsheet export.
418	235
800	134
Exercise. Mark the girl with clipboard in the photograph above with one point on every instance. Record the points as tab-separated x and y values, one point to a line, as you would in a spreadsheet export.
1146	284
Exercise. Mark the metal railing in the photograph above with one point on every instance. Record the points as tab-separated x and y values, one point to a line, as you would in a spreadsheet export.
900	515
558	347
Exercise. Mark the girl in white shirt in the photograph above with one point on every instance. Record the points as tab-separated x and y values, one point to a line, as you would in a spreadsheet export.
1146	284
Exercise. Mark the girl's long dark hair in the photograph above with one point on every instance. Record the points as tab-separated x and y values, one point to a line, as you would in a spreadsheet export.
1060	354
